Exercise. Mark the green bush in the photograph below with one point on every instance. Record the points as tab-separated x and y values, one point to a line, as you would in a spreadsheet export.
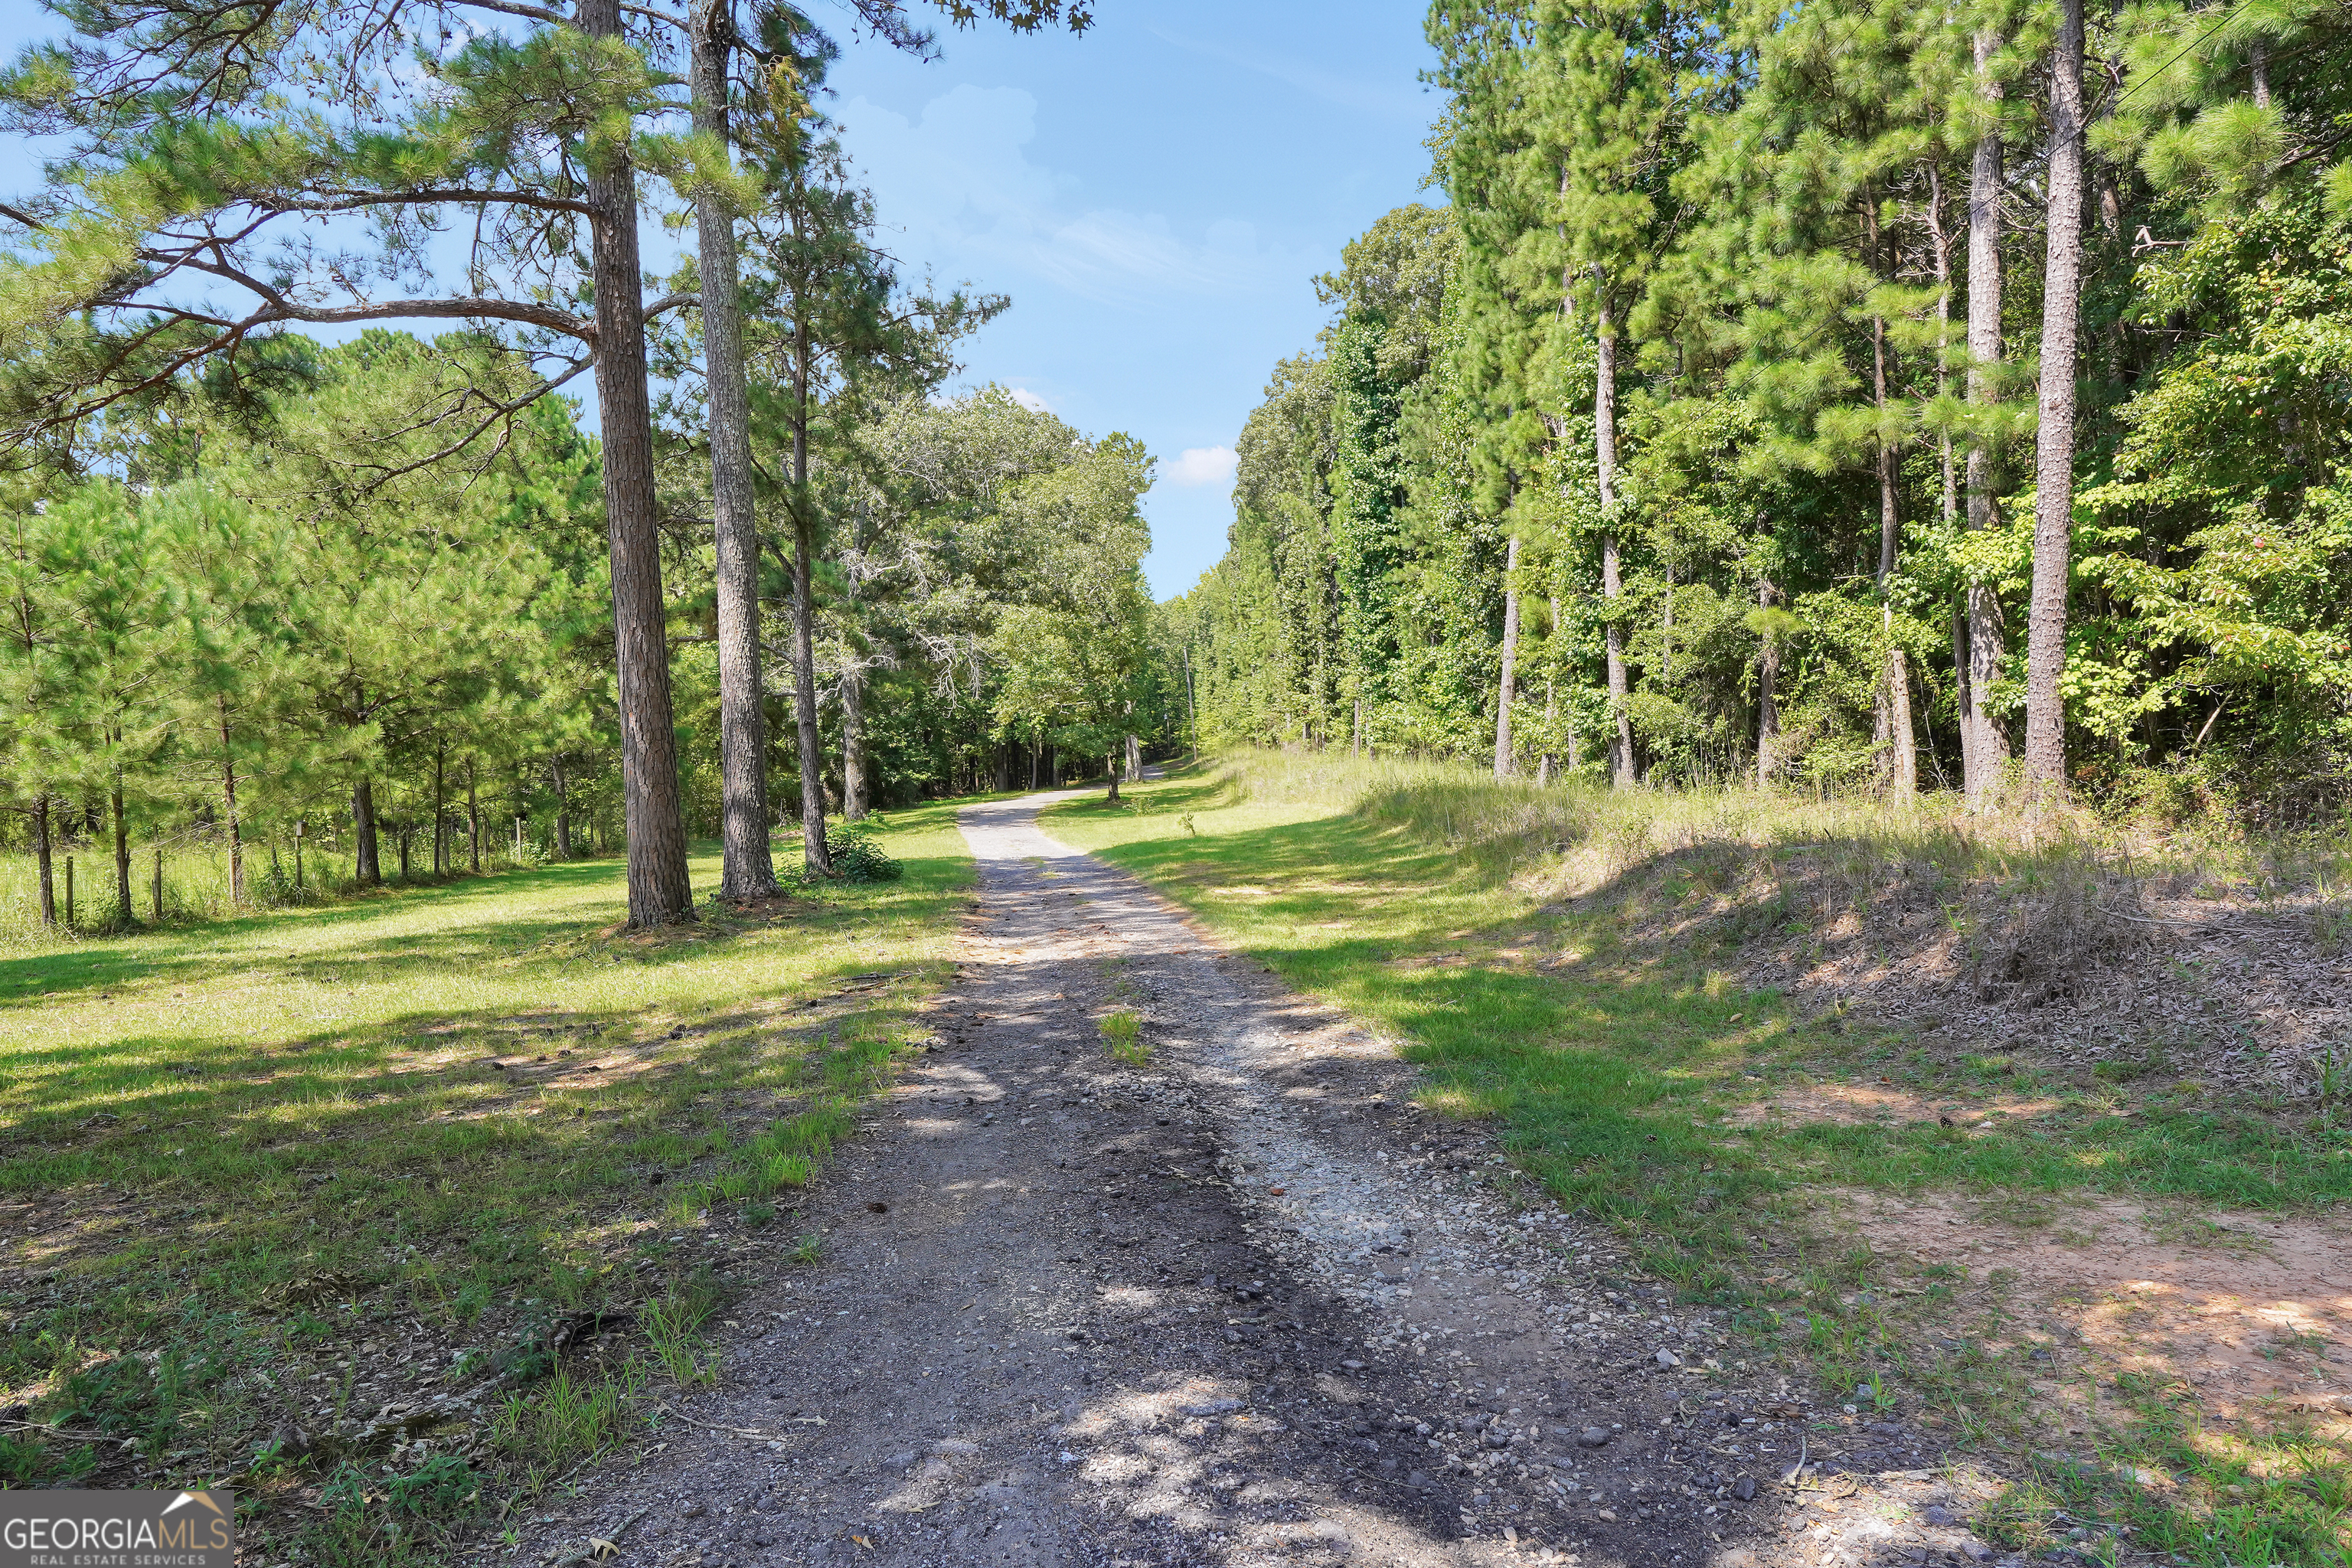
859	856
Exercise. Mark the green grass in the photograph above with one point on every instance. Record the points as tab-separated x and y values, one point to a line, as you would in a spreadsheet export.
1122	1031
1610	1060
1608	1041
261	1174
2186	1490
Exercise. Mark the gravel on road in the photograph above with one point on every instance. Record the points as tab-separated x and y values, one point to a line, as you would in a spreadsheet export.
1247	1302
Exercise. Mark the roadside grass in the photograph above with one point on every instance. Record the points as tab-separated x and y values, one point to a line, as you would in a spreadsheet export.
1611	1046
320	1201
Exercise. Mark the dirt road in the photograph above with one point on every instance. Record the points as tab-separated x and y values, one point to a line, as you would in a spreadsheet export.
1245	1304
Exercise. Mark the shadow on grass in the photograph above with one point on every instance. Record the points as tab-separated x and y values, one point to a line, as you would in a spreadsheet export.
466	1109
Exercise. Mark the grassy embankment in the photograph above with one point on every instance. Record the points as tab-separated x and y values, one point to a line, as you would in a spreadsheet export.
469	1151
1565	964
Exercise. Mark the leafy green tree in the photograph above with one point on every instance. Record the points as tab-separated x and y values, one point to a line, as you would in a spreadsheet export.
1078	656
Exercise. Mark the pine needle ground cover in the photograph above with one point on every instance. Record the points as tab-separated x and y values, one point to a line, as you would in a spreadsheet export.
389	1211
1636	1074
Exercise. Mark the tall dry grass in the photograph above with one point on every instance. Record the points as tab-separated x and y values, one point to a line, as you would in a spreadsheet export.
1568	838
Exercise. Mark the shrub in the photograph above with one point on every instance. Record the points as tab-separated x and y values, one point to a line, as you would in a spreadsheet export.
859	856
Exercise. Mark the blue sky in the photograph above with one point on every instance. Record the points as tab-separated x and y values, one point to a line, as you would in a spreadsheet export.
1157	197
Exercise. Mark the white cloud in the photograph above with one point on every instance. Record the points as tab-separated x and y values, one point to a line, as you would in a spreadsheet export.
958	183
1201	465
1031	401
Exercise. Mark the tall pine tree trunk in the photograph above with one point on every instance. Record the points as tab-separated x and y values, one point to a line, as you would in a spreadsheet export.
562	812
121	847
41	850
1510	659
1565	757
1984	747
1767	702
1941	240
2053	464
852	745
747	870
1612	584
367	867
814	851
659	890
1899	751
1550	722
228	812
473	818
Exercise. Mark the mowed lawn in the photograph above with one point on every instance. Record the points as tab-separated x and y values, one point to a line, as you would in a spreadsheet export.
271	1186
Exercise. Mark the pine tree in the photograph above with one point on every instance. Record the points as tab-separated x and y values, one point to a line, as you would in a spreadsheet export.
528	135
2054	466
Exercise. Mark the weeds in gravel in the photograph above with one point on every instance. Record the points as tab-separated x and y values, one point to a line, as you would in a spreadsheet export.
1123	1032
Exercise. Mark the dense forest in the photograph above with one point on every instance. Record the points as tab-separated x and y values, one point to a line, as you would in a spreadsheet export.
346	610
1853	396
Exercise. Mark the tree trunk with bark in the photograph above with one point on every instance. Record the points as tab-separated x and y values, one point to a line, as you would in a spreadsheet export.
228	812
123	910
1768	702
42	852
659	890
440	808
852	746
1898	767
2053	464
367	865
1510	659
1550	721
818	858
473	817
1984	747
1612	584
747	868
562	812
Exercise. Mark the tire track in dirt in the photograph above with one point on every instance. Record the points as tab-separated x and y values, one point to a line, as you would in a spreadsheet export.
1248	1304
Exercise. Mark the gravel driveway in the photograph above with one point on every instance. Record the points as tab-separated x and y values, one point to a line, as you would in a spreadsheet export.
1245	1304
